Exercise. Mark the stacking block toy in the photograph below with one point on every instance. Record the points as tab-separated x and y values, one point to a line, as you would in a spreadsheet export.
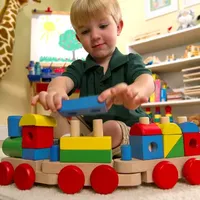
37	137
172	138
55	153
36	154
82	106
126	152
12	147
147	147
191	136
173	146
85	143
96	149
14	130
146	140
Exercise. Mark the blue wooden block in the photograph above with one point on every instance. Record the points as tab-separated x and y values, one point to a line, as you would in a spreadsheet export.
126	152
14	130
82	106
189	127
36	154
55	153
147	147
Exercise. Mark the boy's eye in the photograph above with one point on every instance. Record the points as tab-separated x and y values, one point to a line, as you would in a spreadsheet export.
103	26
85	32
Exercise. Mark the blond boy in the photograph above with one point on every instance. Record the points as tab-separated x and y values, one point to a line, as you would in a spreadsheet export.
122	81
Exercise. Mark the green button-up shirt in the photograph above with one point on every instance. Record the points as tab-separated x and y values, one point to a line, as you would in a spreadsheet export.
89	77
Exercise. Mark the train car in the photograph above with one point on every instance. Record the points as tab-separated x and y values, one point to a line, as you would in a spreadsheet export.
158	153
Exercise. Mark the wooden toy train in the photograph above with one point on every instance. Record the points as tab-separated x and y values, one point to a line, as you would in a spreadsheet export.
158	153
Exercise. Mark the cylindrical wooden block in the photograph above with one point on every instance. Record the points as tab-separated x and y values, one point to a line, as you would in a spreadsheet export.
12	147
144	120
98	128
181	119
164	120
75	128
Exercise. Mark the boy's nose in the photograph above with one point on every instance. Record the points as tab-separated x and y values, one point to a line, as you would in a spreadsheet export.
95	35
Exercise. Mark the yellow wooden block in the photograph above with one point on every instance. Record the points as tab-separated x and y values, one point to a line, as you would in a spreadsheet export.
170	129
169	142
37	120
86	143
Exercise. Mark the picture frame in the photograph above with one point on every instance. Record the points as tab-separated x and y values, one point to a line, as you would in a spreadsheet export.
156	8
188	3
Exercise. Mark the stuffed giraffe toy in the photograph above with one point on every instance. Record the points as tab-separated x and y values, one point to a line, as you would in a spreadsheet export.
8	16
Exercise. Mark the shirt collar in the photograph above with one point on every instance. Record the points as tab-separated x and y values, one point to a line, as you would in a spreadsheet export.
117	60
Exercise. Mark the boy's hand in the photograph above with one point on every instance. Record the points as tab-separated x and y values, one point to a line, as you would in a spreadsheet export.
122	94
50	100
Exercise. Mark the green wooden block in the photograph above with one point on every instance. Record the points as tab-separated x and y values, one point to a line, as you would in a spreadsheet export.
177	150
86	156
12	147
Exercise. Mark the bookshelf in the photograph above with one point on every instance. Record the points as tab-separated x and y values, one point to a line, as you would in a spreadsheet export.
166	41
171	72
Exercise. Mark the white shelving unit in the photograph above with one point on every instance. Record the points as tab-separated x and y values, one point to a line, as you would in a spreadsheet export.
161	46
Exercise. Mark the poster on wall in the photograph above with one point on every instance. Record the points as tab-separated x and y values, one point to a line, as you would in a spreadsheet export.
53	39
156	8
187	3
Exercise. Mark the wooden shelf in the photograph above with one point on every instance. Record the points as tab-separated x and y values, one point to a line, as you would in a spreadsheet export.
175	66
171	103
167	41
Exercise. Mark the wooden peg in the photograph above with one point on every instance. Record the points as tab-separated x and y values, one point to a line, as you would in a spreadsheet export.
75	128
164	120
98	128
181	119
144	120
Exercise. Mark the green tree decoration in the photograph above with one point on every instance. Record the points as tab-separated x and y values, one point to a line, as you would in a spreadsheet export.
69	42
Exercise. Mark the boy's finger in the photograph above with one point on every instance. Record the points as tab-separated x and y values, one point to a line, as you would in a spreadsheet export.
104	95
34	100
119	88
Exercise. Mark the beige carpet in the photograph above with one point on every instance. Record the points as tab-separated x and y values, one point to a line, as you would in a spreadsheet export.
182	191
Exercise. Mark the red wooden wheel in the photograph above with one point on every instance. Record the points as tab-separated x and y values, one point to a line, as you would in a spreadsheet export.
71	179
6	173
104	179
191	171
24	176
165	175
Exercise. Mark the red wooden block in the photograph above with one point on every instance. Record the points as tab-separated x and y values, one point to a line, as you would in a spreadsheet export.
145	129
104	179
191	144
24	176
35	137
165	175
71	179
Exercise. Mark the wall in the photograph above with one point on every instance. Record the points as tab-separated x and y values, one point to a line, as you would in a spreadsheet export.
135	24
14	93
14	88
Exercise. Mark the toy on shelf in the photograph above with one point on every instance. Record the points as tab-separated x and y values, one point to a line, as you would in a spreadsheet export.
186	19
151	60
168	113
39	72
165	153
191	51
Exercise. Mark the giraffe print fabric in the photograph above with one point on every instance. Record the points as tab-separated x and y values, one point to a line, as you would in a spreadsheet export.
8	16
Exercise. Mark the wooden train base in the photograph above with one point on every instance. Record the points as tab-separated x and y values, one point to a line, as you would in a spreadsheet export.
103	178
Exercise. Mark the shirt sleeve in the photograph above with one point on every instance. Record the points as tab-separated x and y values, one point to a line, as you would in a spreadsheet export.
75	72
136	67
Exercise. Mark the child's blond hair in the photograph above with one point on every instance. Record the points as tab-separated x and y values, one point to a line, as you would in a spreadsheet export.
83	10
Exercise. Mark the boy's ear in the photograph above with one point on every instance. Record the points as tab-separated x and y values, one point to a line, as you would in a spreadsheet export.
120	27
77	38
